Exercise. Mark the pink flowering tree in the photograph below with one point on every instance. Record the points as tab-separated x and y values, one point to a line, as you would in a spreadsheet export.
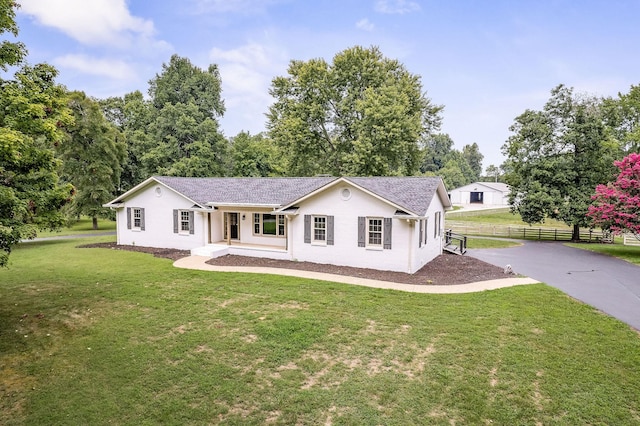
616	206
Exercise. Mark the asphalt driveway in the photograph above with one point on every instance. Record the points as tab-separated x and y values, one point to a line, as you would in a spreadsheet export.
609	284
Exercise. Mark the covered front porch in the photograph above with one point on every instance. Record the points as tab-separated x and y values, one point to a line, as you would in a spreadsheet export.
257	231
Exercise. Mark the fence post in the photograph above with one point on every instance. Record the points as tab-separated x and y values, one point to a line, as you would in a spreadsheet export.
539	234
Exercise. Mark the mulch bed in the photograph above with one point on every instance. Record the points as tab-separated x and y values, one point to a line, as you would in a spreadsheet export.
165	253
446	269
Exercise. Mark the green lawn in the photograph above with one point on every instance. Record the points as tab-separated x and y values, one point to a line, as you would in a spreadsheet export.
482	243
504	217
82	226
96	336
628	253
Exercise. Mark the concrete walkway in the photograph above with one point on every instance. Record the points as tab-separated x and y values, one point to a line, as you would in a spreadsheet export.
199	263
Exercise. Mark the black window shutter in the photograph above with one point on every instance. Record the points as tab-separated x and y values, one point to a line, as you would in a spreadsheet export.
191	222
387	233
362	230
175	221
128	217
329	230
142	219
420	239
307	228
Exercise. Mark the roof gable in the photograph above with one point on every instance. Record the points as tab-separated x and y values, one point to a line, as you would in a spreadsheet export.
494	186
413	194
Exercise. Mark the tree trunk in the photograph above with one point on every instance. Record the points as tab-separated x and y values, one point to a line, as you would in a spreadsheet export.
94	220
575	236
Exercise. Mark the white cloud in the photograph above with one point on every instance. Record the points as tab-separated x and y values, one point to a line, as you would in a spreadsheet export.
365	24
114	69
398	7
236	6
246	74
94	22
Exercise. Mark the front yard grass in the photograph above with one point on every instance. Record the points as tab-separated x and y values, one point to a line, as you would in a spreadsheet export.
96	336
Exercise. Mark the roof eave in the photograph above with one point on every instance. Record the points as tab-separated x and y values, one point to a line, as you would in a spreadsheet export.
120	199
244	205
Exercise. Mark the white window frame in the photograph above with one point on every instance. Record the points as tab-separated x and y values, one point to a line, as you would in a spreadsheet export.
319	228
184	221
258	224
136	218
281	224
371	233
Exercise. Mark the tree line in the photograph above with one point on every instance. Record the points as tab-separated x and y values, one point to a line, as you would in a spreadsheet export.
64	154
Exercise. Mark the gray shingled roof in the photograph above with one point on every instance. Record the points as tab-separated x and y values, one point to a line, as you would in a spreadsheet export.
413	194
256	191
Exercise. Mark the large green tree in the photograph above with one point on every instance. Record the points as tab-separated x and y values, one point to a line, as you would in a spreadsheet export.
33	114
11	52
473	157
255	155
493	173
363	114
435	149
622	114
556	157
176	131
132	115
92	155
184	135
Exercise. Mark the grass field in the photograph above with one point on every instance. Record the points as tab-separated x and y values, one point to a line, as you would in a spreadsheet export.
628	253
82	226
96	336
482	243
504	217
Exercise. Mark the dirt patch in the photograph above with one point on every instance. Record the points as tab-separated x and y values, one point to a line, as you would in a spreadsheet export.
446	269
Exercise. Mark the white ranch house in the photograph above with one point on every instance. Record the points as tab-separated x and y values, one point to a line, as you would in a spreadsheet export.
487	194
386	223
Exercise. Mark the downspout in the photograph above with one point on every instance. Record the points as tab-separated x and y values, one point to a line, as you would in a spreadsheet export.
117	225
205	228
410	260
289	238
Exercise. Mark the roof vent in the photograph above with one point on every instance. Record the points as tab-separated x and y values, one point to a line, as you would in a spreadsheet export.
345	193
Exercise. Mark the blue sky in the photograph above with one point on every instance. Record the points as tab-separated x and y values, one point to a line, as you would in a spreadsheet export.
485	61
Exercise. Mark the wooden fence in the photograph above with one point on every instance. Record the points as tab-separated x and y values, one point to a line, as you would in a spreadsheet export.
631	240
526	233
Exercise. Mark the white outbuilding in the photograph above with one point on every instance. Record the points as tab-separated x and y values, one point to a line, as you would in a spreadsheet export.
487	194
